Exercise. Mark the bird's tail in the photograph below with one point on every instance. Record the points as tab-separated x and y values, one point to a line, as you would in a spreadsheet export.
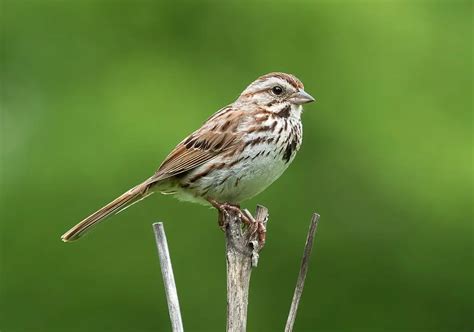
122	202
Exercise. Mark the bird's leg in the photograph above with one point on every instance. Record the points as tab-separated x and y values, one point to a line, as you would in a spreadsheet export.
256	227
223	209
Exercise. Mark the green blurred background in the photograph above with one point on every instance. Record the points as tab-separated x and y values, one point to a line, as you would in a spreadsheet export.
96	93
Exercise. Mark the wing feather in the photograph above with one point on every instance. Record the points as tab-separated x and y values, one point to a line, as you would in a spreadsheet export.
216	136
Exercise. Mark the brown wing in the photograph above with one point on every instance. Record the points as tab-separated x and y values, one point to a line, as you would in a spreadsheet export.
217	135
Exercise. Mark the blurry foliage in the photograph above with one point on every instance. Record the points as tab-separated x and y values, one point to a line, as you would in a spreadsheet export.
94	94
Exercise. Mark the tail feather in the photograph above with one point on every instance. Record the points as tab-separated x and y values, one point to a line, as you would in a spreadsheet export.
119	204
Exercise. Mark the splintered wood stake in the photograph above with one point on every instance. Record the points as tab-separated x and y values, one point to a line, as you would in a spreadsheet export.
168	277
242	247
302	275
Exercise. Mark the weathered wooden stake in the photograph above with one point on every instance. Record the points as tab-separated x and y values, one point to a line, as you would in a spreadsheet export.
243	245
302	275
168	277
242	249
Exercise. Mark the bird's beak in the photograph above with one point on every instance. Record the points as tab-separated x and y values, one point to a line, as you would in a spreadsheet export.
301	97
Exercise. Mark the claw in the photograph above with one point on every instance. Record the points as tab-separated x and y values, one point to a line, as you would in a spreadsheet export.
255	227
223	210
221	219
262	234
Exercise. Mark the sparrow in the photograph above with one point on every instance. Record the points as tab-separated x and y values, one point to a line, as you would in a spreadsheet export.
236	154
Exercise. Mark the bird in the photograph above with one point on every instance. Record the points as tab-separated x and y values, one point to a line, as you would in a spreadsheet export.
237	153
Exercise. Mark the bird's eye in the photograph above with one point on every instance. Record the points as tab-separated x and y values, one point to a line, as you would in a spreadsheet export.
277	90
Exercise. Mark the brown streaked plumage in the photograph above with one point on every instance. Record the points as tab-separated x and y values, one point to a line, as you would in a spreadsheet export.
237	152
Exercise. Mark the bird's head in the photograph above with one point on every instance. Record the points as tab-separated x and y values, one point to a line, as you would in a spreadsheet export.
276	92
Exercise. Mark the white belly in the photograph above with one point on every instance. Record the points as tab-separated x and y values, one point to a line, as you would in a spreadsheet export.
250	178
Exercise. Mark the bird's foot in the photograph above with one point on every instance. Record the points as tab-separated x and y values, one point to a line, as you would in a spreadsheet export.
223	210
256	227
